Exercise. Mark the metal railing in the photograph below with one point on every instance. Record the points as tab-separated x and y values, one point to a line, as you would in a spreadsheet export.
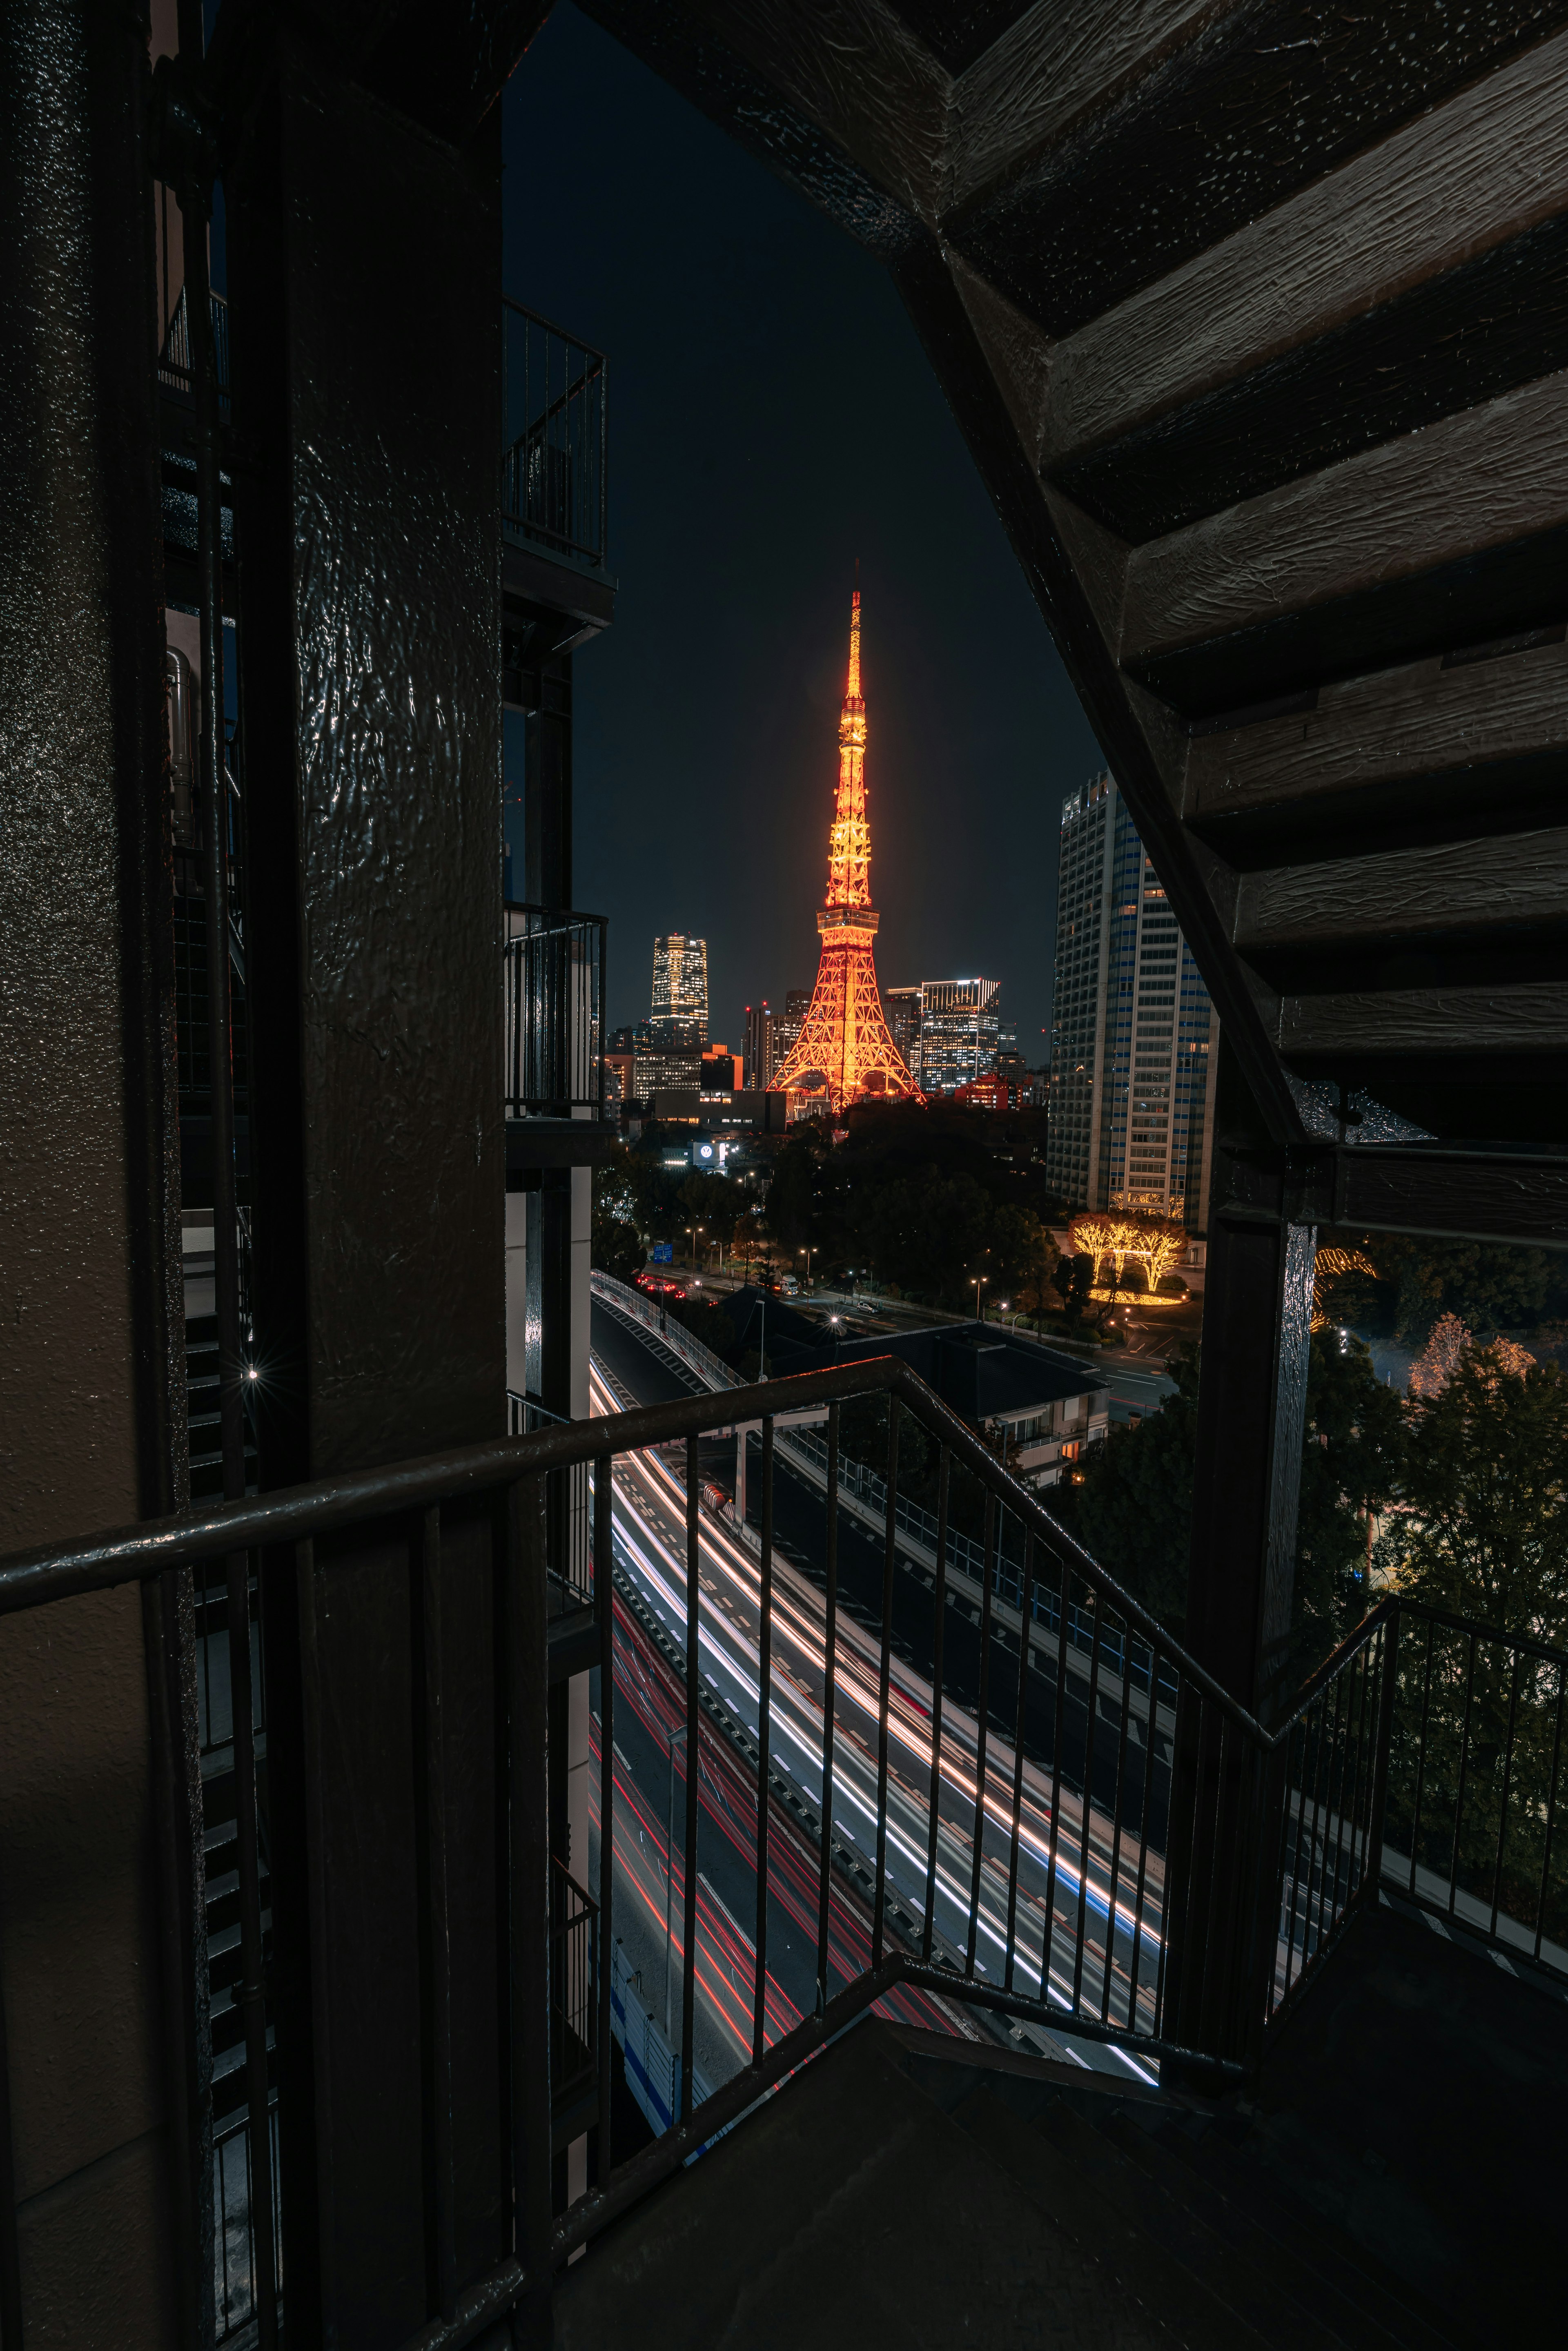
554	1021
1025	1828
554	465
573	1975
174	358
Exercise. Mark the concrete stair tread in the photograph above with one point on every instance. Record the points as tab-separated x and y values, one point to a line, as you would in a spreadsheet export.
1348	2268
1353	2312
848	2211
1073	2199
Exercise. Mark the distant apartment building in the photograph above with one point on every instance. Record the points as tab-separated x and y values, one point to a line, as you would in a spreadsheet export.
679	1017
1134	1040
901	1009
760	1054
960	1033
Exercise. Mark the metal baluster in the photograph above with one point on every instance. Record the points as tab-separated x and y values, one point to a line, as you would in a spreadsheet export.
1187	1698
1026	1615
1421	1752
1295	1814
1148	1791
693	1732
983	1722
1116	1800
528	1872
605	1599
1464	1772
830	1692
1354	1709
252	2000
1551	1808
884	1682
1377	1818
1324	1773
1217	1846
1506	1774
939	1631
764	1726
1371	1709
1058	1733
1087	1792
437	1912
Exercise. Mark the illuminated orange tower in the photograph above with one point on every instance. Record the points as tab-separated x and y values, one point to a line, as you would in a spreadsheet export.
844	1051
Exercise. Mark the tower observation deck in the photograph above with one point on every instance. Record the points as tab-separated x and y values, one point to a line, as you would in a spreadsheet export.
844	1052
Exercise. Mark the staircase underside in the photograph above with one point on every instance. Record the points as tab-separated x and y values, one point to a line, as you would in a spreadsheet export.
1252	314
1400	2181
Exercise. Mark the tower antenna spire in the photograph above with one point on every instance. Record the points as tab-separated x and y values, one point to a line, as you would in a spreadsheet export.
844	1051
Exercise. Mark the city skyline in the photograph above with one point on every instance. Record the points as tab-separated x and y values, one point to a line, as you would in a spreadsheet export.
751	512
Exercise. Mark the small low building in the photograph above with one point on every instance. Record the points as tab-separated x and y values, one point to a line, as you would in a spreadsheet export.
1039	1408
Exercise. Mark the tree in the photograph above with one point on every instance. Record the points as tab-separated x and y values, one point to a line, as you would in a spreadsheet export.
615	1241
1353	1459
1023	1258
924	1231
1074	1278
1133	1509
1484	1528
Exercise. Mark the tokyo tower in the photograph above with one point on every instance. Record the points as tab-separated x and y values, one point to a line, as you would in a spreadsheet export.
844	1052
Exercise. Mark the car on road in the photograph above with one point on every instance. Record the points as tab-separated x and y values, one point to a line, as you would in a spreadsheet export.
654	1285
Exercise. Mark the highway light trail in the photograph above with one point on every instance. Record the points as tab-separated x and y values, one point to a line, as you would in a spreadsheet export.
650	1545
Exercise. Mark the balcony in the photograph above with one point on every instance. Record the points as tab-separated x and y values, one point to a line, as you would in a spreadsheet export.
554	490
554	1082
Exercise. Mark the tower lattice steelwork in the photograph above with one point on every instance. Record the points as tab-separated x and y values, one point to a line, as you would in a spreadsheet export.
844	1051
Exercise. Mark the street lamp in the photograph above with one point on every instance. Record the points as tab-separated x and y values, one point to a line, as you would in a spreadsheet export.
676	1738
981	1280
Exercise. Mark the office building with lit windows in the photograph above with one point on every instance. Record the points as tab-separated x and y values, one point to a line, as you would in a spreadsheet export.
679	1018
1134	1040
960	1033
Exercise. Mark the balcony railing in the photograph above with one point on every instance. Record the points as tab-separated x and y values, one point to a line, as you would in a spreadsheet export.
174	358
555	998
1027	1828
554	478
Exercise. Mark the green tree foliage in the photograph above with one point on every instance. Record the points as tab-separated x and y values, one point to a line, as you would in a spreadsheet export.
1072	1278
615	1241
927	1231
1483	1534
1351	1462
1133	1509
1023	1258
1484	1527
1490	1286
791	1192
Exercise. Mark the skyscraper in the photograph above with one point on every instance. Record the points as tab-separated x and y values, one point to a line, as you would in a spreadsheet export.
787	1024
1134	1045
843	1050
759	1043
959	1025
680	992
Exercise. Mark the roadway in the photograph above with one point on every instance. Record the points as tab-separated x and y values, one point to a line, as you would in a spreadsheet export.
650	1541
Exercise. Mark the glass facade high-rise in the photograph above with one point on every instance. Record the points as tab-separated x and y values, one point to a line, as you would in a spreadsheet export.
679	1018
960	1026
1134	1040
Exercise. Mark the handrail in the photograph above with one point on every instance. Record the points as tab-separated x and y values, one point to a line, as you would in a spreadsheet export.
126	1555
1181	1873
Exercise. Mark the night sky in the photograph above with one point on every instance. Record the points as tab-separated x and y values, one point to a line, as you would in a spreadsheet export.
772	418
